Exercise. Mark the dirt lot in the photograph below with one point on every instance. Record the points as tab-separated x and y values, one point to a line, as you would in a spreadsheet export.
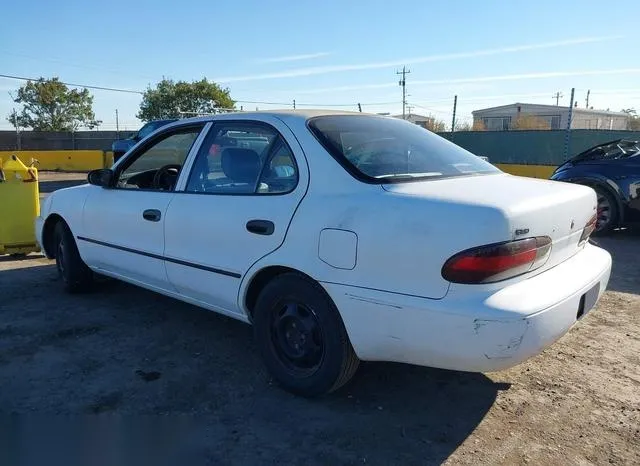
126	352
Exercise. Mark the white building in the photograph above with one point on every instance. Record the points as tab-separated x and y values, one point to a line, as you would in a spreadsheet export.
420	120
503	118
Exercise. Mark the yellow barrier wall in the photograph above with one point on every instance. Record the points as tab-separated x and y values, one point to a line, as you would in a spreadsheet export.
531	171
64	160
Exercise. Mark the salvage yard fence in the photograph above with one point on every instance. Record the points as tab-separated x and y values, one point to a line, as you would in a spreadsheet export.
535	147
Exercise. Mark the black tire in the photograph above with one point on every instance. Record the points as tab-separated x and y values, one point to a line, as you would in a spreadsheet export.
608	215
324	359
75	274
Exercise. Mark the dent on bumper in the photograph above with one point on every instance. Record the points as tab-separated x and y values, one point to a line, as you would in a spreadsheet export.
502	338
480	334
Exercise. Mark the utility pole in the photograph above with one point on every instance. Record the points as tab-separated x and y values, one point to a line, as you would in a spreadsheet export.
567	138
453	120
588	92
117	125
403	83
294	104
359	107
557	96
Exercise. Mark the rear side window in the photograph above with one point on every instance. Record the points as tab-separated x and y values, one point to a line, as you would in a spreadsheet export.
243	158
382	150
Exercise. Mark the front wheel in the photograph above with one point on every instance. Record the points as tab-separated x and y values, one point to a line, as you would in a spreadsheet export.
75	274
301	337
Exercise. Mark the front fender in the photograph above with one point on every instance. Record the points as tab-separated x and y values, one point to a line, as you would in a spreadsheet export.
68	203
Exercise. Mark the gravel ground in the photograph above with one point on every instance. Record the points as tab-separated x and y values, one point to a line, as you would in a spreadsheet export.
194	378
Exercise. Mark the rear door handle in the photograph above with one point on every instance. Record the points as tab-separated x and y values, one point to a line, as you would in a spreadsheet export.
261	227
152	215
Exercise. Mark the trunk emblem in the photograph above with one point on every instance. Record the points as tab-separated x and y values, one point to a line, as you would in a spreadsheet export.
522	231
572	224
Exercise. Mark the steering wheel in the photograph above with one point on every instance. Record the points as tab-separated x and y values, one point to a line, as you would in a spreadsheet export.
166	176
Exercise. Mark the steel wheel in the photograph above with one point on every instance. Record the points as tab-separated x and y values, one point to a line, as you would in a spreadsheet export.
301	337
297	337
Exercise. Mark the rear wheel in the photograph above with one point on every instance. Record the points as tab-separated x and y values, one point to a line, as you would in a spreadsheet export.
301	337
75	274
607	212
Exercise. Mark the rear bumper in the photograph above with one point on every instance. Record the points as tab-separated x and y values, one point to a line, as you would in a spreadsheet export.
480	332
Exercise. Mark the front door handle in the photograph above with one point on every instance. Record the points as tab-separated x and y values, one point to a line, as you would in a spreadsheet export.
260	227
152	215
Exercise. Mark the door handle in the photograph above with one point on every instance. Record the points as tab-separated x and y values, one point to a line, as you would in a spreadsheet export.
152	215
260	227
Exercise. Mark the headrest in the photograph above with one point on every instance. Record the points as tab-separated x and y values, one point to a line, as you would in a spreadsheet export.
240	165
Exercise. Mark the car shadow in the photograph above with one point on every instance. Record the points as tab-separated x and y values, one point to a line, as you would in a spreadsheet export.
123	350
21	257
624	247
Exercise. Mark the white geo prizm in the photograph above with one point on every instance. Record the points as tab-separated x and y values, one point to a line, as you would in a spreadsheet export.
340	237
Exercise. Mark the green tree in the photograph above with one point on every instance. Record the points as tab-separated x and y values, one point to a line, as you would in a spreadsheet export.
169	98
634	120
49	105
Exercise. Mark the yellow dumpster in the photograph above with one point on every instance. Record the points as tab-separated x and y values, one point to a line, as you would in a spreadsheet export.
19	207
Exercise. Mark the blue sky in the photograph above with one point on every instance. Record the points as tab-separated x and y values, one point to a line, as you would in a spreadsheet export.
331	52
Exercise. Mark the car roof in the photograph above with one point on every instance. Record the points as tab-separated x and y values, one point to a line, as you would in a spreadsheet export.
303	114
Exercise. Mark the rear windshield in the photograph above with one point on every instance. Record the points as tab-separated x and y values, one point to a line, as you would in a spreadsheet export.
381	150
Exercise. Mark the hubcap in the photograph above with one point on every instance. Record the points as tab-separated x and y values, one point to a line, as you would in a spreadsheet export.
604	212
297	337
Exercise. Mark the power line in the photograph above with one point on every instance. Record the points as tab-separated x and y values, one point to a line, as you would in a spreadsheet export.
259	102
431	109
113	89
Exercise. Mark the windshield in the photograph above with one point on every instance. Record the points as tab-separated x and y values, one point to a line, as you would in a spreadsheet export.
377	149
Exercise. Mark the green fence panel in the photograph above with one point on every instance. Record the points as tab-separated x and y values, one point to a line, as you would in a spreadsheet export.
532	147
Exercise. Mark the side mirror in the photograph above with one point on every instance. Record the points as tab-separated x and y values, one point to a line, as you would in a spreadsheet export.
101	177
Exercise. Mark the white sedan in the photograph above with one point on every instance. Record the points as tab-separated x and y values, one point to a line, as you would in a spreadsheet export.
340	237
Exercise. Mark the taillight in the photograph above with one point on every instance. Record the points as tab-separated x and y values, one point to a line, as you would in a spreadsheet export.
588	229
496	262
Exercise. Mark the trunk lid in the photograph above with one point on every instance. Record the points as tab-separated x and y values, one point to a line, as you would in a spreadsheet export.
528	207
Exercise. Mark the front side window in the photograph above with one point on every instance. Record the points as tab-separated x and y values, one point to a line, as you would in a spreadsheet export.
158	165
243	158
377	149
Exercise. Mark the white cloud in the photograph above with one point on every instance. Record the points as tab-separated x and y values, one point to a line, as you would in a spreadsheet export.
524	76
310	71
479	79
288	58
